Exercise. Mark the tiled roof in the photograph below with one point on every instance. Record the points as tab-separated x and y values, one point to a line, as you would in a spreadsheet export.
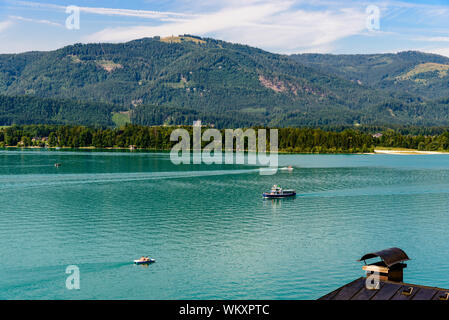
356	290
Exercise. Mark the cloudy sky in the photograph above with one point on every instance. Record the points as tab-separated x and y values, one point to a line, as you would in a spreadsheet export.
283	26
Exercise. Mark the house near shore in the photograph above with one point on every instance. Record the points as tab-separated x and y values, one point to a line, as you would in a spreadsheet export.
384	281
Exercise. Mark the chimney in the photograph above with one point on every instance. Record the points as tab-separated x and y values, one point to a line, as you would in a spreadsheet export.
390	267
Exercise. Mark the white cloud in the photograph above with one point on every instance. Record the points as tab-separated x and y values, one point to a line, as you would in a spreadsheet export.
277	26
132	13
440	51
283	26
5	25
436	39
147	14
51	23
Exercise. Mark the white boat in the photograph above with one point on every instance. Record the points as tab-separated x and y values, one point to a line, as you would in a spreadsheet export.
146	261
278	192
289	168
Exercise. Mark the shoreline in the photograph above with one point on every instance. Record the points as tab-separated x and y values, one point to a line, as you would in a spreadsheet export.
392	151
407	152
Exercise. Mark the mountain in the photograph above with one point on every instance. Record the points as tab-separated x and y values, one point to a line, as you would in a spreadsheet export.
412	72
35	110
175	80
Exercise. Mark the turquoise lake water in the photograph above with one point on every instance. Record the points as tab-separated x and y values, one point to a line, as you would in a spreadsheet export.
209	229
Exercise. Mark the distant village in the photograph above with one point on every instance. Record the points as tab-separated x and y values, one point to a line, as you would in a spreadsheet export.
41	142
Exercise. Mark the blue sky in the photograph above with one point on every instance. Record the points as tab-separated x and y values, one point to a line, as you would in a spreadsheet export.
282	26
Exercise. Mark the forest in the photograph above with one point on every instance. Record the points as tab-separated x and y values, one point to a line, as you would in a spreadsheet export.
160	81
293	140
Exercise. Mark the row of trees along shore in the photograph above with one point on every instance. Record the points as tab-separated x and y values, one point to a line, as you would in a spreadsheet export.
295	140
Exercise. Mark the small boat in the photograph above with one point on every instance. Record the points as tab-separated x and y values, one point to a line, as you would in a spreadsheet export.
278	192
144	261
57	165
289	168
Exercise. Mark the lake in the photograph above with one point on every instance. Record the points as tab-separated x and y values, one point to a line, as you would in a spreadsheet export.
209	229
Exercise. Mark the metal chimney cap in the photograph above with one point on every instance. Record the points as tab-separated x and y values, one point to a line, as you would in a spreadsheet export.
390	256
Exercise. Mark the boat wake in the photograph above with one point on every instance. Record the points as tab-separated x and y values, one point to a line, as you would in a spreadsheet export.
50	180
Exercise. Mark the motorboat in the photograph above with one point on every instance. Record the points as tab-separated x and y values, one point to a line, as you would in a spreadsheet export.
144	261
278	192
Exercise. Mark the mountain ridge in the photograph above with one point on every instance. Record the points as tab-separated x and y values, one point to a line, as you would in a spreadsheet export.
175	79
387	71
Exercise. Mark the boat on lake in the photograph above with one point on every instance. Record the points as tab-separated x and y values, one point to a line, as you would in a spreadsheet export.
144	260
278	192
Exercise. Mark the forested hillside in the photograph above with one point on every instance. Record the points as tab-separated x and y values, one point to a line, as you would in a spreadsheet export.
416	73
176	80
34	110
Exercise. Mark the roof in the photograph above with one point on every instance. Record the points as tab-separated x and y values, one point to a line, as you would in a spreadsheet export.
389	256
356	290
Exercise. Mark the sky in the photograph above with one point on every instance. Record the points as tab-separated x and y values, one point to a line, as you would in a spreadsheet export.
280	26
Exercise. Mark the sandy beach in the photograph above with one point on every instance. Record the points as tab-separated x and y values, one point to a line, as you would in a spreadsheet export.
406	152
